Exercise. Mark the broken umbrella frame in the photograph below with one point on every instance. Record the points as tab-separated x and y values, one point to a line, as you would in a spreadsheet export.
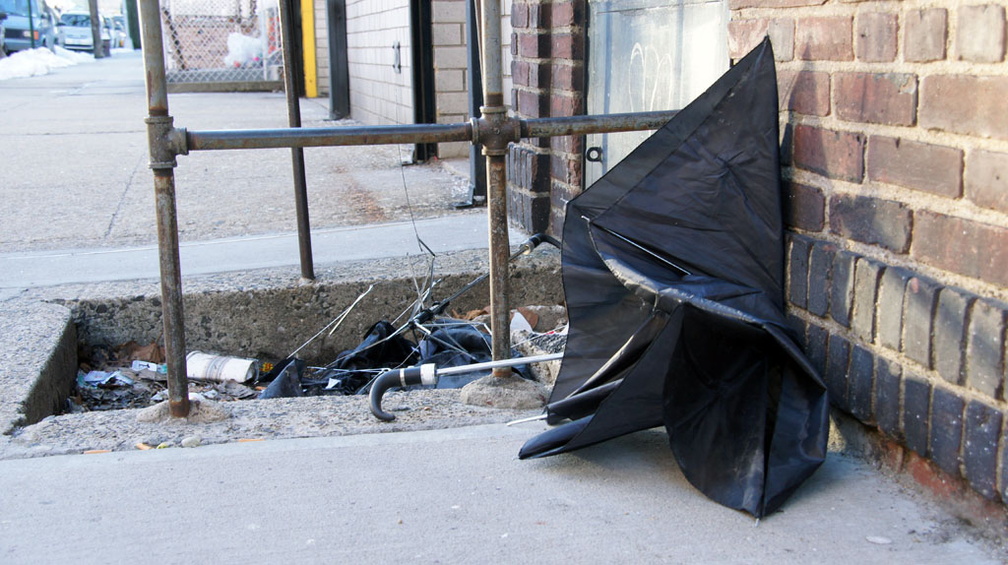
422	320
493	130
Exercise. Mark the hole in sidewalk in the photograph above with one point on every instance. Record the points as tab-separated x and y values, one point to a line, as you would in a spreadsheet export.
121	358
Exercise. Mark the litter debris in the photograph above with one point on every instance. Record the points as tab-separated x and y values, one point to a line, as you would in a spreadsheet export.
149	366
102	378
191	441
135	376
220	368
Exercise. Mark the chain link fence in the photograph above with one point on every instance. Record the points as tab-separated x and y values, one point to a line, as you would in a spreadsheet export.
222	42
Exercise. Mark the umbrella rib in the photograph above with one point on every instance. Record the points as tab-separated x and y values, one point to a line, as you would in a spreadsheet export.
682	271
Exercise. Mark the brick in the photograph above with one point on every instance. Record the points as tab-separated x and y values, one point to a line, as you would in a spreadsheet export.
962	246
804	207
740	4
983	429
886	223
446	34
816	341
538	171
519	15
943	106
876	37
925	33
539	213
985	348
566	46
946	430
916	408
986	180
449	81
565	170
835	154
835	376
539	75
568	77
842	287
918	312
565	14
533	45
744	35
889	321
920	166
805	92
860	376
887	397
866	281
876	98
798	257
981	34
950	334
820	272
520	73
782	34
538	18
533	104
573	144
563	105
824	39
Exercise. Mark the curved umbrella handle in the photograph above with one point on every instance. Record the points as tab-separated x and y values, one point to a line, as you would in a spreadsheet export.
422	375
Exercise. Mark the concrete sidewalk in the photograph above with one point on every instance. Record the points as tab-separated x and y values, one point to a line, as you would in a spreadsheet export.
77	202
444	496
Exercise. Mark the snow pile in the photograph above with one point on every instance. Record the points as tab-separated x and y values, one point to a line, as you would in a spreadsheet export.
36	62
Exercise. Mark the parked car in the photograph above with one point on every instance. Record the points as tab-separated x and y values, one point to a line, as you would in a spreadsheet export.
74	32
3	31
24	32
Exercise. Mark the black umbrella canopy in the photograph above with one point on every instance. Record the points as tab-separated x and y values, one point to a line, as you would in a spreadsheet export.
673	270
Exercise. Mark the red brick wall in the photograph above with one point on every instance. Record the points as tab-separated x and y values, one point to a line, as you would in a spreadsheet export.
548	73
895	152
895	120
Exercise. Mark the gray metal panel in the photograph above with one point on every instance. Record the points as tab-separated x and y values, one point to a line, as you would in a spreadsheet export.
648	55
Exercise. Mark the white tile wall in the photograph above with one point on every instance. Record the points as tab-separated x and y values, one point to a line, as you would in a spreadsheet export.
379	95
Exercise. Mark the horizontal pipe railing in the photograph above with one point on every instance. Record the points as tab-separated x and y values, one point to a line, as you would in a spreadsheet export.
327	137
415	133
581	125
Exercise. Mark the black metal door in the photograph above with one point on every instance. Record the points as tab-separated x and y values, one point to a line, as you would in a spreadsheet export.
424	109
339	68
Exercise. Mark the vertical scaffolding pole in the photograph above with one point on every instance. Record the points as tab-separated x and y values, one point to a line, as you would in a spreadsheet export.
494	115
162	139
297	153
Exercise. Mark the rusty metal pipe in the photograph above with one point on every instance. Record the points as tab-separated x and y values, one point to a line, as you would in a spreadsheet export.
162	140
581	125
327	137
297	153
499	254
495	131
418	133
